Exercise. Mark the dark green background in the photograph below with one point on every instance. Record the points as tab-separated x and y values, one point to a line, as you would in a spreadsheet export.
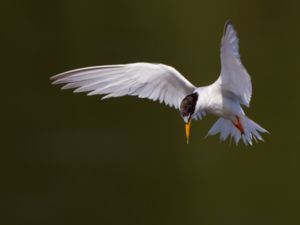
71	159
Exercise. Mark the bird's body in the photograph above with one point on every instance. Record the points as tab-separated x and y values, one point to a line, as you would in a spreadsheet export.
224	98
212	101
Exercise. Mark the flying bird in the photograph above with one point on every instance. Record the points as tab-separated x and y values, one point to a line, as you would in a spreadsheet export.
224	98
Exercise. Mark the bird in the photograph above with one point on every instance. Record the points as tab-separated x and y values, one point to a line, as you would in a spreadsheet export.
224	98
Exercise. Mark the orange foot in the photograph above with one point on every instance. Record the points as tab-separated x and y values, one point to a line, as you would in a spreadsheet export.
238	125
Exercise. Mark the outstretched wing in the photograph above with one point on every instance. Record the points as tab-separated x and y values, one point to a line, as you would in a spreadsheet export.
145	80
234	79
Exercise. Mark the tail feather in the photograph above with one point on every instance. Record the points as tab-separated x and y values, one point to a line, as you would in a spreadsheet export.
227	129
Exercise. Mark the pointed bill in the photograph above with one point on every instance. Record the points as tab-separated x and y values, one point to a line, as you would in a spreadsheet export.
187	130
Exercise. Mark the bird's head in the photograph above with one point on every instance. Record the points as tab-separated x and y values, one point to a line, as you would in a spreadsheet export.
187	109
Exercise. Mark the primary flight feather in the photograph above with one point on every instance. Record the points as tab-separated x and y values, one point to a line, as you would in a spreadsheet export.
165	84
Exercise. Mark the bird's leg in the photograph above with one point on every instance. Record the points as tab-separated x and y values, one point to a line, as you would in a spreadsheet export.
238	125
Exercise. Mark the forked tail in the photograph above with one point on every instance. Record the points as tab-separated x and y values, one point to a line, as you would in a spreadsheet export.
245	129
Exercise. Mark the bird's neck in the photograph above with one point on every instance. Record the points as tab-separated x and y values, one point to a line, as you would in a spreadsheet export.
203	98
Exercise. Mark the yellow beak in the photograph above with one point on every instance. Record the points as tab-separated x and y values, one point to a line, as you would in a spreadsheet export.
187	130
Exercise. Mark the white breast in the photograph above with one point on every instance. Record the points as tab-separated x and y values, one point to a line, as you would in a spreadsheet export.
212	101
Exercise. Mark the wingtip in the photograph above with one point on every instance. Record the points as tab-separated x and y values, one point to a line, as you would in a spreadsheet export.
229	21
227	24
54	82
54	77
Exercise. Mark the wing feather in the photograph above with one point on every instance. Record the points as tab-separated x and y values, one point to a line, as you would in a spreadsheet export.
234	79
145	80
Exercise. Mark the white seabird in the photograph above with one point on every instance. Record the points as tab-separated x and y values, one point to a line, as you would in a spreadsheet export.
224	98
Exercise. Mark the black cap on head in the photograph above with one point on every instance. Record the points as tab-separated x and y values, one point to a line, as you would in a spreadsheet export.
188	105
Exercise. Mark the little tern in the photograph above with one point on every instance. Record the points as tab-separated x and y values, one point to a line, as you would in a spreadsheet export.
224	98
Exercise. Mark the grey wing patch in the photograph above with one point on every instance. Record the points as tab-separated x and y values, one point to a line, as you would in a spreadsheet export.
232	96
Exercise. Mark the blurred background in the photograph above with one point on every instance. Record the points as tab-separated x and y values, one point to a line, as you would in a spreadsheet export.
70	159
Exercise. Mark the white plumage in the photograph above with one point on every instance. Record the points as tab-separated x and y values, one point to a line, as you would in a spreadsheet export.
234	78
145	80
160	82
